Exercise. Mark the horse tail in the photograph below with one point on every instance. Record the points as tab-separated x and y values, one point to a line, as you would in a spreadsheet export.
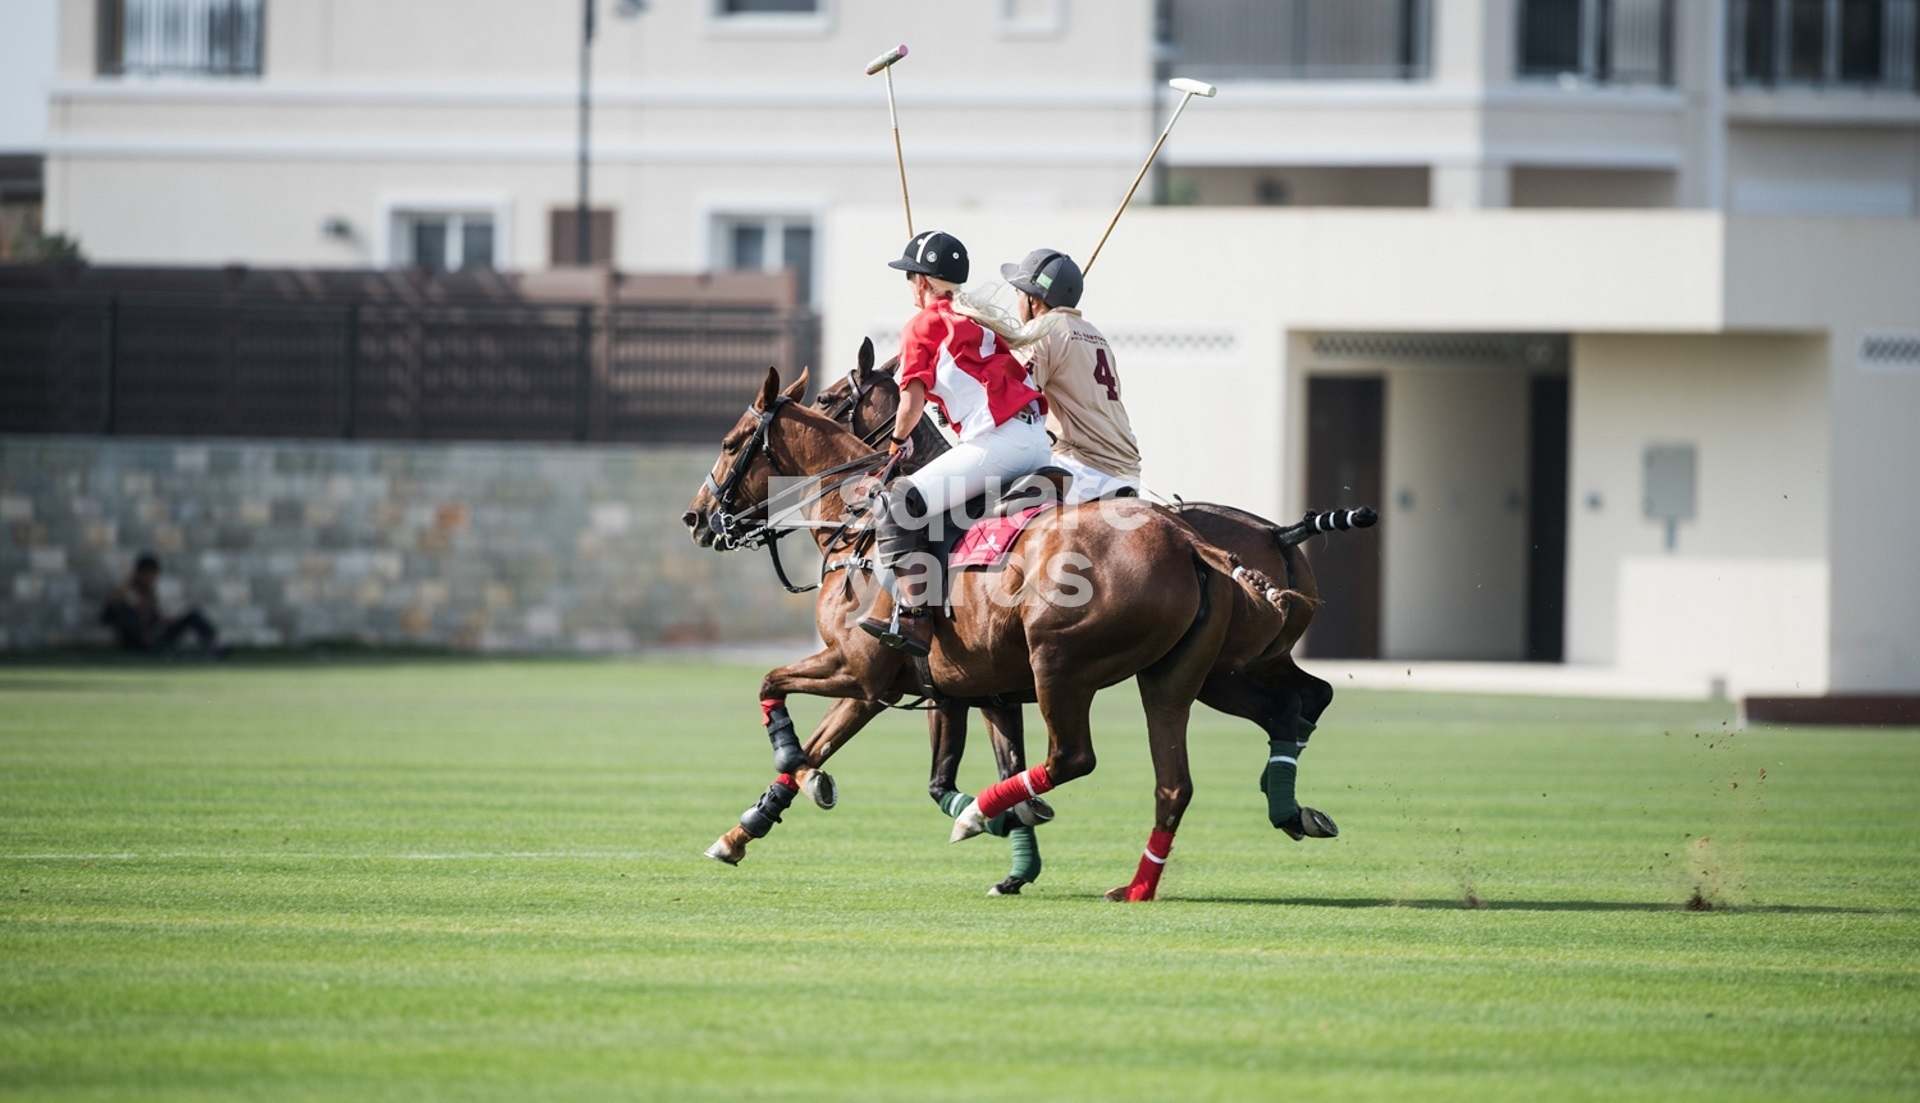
1337	520
1257	584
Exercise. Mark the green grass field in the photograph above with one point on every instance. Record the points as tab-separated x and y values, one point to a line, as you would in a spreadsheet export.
466	879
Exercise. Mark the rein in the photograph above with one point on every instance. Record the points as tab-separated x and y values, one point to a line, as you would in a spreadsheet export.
733	529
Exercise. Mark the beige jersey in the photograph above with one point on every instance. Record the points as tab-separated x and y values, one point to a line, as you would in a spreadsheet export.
1074	367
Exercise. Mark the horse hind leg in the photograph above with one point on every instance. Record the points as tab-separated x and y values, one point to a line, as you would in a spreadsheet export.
1167	691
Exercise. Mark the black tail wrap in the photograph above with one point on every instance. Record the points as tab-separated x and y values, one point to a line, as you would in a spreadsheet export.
765	812
787	755
1338	520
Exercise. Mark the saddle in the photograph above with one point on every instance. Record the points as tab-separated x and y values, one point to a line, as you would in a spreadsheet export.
984	532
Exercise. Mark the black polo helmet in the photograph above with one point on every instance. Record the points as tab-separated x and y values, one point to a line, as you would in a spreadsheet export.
1048	275
935	254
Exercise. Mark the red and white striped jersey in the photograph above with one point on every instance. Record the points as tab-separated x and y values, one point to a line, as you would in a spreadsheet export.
974	380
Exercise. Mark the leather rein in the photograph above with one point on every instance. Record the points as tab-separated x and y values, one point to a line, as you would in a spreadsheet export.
735	529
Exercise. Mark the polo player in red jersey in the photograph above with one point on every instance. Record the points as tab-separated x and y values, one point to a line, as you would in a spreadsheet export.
950	358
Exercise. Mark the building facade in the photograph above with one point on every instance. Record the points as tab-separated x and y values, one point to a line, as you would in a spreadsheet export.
1612	307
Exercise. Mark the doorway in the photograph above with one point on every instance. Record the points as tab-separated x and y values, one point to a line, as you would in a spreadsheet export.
1345	436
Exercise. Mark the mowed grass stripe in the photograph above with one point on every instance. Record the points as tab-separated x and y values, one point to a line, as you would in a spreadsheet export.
482	880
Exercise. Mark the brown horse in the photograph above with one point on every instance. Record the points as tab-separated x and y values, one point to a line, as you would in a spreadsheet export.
1270	688
1097	594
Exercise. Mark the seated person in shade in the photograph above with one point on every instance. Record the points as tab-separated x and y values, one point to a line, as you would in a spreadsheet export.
133	612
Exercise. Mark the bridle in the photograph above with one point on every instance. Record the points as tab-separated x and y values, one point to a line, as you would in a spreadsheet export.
732	529
727	527
850	402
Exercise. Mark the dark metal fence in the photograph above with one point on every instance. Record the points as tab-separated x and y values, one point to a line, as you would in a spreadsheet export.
197	365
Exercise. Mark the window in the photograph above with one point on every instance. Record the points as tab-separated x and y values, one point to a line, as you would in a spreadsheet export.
769	17
1597	41
563	227
444	241
1295	39
1029	18
1816	43
767	244
193	37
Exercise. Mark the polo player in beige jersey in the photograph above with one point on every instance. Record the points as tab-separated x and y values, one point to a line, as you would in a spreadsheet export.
1073	365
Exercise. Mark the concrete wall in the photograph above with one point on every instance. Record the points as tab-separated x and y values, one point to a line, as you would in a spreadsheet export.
1756	410
1852	278
466	546
1454	565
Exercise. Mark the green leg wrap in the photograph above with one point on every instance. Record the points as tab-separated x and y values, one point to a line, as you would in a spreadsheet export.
953	803
1283	768
1026	854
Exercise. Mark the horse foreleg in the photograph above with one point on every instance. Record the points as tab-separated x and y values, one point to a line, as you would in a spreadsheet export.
1066	709
1007	726
797	768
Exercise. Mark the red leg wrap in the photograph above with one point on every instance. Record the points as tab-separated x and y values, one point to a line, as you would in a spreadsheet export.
785	781
1146	879
1002	795
767	705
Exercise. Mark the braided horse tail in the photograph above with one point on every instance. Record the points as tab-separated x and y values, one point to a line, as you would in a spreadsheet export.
1263	589
1337	520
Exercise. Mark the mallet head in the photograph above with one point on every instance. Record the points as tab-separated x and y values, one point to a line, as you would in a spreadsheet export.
1190	86
887	59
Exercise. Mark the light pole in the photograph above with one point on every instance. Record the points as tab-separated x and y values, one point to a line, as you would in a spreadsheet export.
582	216
582	250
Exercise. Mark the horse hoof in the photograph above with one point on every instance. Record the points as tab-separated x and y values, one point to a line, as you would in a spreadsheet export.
721	852
968	824
1130	894
820	786
1310	823
1033	812
1009	887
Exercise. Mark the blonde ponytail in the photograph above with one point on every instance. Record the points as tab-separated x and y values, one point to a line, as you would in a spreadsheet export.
980	307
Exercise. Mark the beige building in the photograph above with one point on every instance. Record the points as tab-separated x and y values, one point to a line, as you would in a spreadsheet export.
1612	307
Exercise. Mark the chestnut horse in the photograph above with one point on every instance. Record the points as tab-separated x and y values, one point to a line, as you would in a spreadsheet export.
1097	594
1270	689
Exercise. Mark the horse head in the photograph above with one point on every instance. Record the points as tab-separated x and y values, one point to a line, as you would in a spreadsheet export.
736	488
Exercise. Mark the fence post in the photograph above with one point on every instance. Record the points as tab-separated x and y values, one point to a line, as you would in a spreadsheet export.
350	371
583	379
109	364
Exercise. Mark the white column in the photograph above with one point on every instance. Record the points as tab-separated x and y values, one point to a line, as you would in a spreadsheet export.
1482	185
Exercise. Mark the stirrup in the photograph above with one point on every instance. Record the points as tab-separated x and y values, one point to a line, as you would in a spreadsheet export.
890	633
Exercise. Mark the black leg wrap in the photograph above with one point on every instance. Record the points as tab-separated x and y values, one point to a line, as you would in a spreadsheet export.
760	819
787	755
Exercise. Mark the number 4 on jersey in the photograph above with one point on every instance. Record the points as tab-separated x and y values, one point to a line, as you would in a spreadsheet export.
1103	375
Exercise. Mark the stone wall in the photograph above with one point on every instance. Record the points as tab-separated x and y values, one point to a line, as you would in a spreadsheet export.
488	547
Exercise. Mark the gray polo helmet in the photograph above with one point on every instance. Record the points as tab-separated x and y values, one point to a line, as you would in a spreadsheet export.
935	254
1048	275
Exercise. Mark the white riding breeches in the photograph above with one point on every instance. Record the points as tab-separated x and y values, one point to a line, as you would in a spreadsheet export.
1002	454
1090	483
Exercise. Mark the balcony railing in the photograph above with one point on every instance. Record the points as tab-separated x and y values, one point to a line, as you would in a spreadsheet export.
1871	44
181	37
1597	41
1297	39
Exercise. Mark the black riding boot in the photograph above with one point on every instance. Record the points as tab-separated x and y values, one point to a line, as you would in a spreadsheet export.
901	549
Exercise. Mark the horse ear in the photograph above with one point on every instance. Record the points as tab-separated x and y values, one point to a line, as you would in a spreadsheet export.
769	390
866	355
798	389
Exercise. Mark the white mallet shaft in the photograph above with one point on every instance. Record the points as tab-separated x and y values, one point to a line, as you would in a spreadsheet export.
884	64
1188	88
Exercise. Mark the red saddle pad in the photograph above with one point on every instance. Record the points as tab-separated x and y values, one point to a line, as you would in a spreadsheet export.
987	543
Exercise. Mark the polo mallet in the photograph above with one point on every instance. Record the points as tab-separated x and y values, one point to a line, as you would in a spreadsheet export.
884	64
1191	88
